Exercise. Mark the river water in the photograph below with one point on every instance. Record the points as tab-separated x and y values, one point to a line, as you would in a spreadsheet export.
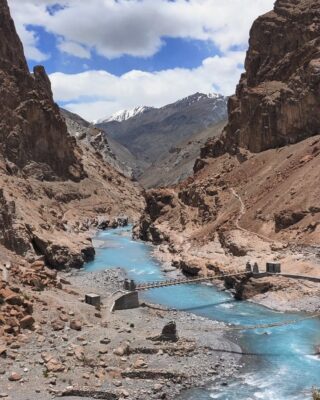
279	363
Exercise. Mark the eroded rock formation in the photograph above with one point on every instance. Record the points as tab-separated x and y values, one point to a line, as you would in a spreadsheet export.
53	186
33	136
278	98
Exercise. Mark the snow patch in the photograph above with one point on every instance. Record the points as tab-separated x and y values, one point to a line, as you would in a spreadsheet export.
124	115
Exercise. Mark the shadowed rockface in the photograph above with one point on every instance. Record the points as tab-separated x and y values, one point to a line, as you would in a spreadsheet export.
277	100
33	136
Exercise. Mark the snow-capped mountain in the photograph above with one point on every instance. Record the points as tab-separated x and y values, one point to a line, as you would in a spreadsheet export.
124	115
150	133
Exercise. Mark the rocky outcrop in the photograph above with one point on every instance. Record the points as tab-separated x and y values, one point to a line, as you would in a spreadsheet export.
287	218
246	289
157	204
61	255
97	141
188	267
33	136
13	235
277	100
169	333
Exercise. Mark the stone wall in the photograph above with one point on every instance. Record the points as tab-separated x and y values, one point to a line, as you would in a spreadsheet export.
126	301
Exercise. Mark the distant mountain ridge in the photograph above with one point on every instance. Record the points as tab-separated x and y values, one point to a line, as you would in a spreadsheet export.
149	133
124	115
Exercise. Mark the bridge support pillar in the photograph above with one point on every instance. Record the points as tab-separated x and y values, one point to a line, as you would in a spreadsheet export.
273	268
129	285
255	268
248	267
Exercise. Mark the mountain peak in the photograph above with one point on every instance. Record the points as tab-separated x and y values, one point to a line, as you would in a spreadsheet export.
124	115
197	97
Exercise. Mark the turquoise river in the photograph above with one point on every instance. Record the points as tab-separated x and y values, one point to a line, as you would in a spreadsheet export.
279	362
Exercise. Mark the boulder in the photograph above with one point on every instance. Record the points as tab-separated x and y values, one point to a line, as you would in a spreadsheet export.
169	333
57	325
76	325
27	322
53	365
3	351
79	353
14	377
140	363
122	350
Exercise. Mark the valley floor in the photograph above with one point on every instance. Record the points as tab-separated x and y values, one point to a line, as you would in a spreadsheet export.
109	352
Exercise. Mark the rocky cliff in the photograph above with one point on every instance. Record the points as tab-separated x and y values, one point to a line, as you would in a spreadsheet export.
33	136
98	141
277	100
54	187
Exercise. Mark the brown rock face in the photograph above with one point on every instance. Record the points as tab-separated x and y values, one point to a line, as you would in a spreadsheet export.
278	98
47	201
33	136
12	234
157	204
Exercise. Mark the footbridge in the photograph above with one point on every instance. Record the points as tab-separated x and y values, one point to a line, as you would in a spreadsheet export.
272	269
140	286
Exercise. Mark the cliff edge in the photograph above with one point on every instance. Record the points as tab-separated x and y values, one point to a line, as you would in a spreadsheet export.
277	100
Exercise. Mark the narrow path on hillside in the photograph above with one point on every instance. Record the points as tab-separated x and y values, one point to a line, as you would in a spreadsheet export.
241	214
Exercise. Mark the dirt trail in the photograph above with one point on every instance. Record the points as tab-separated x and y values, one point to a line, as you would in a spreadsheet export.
241	214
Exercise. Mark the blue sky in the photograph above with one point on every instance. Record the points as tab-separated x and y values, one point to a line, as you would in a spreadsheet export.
107	55
175	52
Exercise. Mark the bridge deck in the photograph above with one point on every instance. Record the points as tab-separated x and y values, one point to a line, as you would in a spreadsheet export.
183	281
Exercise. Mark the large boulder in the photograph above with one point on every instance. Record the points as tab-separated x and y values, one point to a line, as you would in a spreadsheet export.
169	333
62	254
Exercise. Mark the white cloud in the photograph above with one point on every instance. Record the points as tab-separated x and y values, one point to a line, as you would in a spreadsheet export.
74	49
94	94
137	27
113	28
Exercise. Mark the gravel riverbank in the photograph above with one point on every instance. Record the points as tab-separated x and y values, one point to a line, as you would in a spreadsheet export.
80	352
202	354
